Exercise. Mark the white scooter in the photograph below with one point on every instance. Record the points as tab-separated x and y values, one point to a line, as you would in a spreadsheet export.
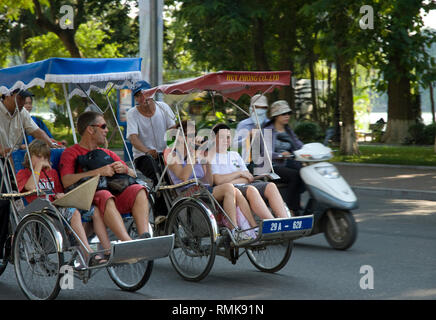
330	197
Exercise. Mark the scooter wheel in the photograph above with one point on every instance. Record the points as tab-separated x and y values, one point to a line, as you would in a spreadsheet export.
346	235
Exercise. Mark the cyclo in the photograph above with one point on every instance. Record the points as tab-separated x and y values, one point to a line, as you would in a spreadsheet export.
41	243
195	216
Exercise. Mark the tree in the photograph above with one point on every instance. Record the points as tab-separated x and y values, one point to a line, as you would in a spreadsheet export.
30	18
397	50
341	43
242	35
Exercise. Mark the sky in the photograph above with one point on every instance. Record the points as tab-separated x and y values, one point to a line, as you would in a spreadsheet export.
430	19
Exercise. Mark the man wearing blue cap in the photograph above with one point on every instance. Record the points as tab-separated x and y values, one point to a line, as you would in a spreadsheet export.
147	124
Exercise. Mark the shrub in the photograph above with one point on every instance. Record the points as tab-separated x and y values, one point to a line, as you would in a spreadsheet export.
308	131
421	134
430	133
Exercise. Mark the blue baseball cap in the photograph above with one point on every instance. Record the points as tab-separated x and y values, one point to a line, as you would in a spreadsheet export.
22	93
140	85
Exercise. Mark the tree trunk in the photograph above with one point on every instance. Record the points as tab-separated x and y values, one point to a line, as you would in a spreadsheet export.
432	111
336	109
400	113
329	89
287	31
313	89
349	144
67	38
259	46
432	102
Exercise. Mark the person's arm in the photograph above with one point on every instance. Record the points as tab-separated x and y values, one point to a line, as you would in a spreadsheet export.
39	164
234	177
121	168
4	150
69	179
208	176
41	135
174	164
133	133
119	165
136	142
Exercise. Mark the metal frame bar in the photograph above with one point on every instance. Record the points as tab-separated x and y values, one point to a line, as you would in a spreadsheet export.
70	115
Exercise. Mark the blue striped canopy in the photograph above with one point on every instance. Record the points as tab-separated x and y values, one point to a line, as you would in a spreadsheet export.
89	72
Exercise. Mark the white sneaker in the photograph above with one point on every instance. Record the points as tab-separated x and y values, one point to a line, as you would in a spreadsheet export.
242	235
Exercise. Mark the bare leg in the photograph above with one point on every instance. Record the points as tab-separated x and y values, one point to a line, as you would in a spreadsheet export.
242	203
100	229
76	224
140	212
113	220
257	204
225	193
275	200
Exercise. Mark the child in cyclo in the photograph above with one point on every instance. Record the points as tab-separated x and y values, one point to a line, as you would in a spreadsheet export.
180	170
49	182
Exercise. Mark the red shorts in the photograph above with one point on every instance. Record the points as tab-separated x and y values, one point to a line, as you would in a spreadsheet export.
124	201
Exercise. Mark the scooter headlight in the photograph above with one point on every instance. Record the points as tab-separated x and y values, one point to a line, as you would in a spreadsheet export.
328	172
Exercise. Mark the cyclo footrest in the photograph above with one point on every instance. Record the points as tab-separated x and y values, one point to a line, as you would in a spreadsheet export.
141	249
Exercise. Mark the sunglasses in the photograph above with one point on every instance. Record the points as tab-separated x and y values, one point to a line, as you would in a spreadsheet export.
101	126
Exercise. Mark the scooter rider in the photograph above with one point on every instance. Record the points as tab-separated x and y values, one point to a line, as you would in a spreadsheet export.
280	147
244	130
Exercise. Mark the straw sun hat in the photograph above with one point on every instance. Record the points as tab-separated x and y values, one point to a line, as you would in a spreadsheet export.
279	107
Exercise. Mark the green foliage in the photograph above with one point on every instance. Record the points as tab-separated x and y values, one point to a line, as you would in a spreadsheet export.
89	37
308	131
396	155
421	134
397	47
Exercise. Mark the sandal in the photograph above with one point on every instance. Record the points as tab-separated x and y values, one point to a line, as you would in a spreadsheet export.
97	260
159	219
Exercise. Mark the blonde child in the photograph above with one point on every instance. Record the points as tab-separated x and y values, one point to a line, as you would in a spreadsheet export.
48	181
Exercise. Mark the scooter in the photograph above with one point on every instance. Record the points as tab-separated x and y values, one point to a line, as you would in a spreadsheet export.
330	197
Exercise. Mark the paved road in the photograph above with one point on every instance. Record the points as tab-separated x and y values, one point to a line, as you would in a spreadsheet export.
396	238
412	182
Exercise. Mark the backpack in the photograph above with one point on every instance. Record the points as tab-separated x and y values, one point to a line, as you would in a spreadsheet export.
96	159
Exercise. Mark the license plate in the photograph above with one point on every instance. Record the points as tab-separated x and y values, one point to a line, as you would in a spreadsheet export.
282	225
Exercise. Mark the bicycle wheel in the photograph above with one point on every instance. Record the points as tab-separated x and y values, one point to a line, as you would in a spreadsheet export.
195	248
36	258
131	277
271	257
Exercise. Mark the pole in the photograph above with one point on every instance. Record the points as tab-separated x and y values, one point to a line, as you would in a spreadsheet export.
151	40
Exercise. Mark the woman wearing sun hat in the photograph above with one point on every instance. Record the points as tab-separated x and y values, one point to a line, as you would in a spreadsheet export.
284	141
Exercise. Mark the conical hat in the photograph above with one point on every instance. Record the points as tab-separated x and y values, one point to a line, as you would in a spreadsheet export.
81	196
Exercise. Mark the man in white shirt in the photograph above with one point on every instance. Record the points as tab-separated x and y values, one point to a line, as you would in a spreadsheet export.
147	124
11	136
10	128
229	167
